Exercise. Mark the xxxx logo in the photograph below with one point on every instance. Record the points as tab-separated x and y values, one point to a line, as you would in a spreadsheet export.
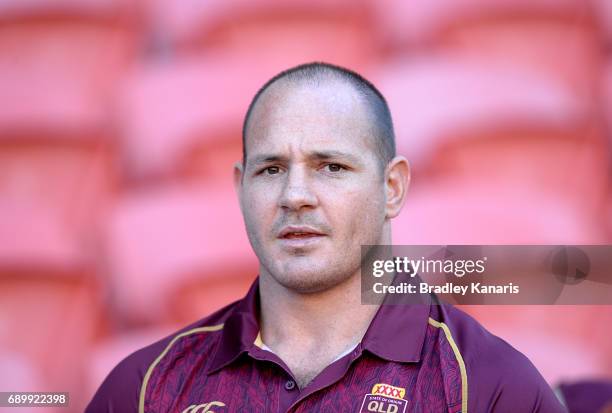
384	399
387	390
203	408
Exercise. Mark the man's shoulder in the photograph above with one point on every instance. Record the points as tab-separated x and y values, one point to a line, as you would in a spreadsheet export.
120	391
476	344
212	325
497	374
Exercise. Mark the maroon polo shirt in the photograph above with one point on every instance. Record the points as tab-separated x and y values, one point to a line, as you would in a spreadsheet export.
413	358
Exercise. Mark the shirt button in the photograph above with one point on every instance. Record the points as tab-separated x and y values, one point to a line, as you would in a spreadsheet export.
289	385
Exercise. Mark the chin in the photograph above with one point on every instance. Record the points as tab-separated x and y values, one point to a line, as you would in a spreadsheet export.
309	279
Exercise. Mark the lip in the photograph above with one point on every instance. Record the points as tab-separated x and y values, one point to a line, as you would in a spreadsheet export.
304	236
307	231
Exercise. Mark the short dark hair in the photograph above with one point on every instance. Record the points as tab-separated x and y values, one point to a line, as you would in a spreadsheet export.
318	71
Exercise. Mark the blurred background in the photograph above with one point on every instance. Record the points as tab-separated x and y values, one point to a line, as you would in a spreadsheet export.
120	122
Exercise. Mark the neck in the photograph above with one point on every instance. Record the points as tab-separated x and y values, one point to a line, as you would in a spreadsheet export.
334	317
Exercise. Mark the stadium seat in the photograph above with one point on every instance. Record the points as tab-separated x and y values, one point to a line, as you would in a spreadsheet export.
85	9
177	253
547	334
183	121
266	31
559	39
17	371
606	107
66	168
449	212
458	118
83	43
603	12
50	301
58	63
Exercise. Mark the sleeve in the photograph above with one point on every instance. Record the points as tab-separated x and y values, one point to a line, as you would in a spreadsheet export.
527	392
120	390
508	382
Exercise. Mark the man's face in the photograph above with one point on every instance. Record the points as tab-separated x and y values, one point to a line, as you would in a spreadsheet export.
312	188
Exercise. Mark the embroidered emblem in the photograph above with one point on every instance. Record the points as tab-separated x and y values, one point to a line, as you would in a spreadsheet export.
384	399
203	408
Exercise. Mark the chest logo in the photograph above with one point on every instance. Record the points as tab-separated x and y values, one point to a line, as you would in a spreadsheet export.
204	408
384	399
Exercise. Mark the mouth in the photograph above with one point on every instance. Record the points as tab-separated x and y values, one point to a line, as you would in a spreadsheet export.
299	233
300	236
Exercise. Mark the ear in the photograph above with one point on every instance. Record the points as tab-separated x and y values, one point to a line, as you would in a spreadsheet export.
397	179
238	176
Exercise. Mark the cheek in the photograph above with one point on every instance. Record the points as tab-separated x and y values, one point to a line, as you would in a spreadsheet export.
258	208
361	217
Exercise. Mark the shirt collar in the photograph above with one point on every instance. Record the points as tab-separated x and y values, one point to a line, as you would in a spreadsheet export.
240	330
396	333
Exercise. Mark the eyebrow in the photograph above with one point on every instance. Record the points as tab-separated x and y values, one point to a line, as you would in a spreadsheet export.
315	155
334	155
268	158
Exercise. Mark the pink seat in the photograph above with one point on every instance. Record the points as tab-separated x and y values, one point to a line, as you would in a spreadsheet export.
84	44
603	10
15	9
559	39
547	334
433	97
58	61
265	30
484	124
449	212
184	120
50	308
160	241
74	181
421	20
18	372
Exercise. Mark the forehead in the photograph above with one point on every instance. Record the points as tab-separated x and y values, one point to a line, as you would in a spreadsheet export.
326	116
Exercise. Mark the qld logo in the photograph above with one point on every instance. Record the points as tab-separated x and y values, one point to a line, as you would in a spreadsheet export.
384	399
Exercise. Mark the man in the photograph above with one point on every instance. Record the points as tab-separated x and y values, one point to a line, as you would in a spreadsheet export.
320	178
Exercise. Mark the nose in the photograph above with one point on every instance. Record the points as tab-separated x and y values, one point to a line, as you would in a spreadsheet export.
297	192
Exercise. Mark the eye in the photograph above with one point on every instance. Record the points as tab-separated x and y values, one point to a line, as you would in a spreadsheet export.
334	167
271	170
